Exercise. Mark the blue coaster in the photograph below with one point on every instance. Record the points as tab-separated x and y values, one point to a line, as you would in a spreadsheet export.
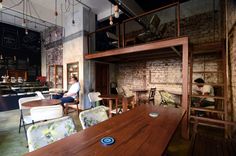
107	141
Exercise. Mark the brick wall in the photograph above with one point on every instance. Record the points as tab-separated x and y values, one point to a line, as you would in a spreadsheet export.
232	61
231	13
163	74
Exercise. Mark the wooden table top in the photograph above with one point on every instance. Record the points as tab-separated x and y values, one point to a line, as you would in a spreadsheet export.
43	102
135	133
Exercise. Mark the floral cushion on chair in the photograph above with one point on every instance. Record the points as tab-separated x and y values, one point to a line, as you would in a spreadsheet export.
42	134
93	116
167	97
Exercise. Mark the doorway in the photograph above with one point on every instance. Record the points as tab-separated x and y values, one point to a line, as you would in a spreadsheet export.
102	78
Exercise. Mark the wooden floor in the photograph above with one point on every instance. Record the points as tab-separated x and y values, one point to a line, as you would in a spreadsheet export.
205	145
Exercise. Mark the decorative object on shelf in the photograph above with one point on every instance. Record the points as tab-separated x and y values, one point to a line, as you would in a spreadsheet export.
72	70
20	80
13	80
56	76
5	78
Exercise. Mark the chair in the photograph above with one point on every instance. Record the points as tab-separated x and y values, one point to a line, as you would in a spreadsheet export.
151	29
93	116
42	134
73	105
40	94
46	113
25	119
94	98
166	98
120	91
114	39
151	97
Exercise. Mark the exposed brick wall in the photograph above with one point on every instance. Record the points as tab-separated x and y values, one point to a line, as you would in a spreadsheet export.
231	15
232	61
163	74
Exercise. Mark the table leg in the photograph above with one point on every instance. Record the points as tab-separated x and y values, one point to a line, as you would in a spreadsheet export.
116	105
110	108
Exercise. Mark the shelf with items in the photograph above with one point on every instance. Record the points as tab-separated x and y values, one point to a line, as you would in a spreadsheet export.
72	70
55	76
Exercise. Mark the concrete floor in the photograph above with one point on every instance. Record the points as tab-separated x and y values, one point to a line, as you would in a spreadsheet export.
13	143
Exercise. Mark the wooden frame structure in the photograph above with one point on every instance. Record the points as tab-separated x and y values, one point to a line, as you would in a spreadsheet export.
183	42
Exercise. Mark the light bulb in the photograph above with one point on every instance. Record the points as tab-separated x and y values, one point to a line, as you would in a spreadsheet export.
26	31
117	14
111	22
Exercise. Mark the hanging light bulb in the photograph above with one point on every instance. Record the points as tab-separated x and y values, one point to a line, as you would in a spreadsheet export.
111	18
1	6
116	10
26	31
56	34
23	23
1	57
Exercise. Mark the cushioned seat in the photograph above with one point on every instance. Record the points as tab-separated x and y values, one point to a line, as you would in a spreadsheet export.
42	134
93	116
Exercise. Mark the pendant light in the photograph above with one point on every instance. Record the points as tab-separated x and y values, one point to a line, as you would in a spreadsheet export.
111	18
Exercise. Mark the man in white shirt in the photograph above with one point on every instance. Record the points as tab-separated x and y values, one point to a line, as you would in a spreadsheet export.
71	94
205	90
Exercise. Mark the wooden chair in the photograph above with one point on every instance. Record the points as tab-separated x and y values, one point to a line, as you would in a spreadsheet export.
151	97
75	106
166	98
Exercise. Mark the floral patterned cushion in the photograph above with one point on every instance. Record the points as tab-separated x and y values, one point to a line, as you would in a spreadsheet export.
42	134
167	97
93	116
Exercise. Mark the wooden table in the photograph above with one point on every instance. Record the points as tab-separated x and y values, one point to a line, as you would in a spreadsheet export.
138	92
43	102
111	97
135	133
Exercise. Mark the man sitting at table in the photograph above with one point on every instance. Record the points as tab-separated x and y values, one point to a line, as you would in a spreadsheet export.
205	90
71	94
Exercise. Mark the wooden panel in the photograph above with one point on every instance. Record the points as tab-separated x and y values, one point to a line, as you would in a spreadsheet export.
139	48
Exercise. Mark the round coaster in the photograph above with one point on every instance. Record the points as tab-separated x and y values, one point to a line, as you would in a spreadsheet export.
153	114
107	141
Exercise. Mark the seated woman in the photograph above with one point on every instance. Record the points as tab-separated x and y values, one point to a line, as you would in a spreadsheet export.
71	94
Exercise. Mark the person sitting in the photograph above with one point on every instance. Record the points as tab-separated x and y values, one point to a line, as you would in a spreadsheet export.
71	94
204	90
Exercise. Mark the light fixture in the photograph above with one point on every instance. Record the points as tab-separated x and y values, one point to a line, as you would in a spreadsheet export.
111	18
26	31
73	12
1	6
1	57
116	10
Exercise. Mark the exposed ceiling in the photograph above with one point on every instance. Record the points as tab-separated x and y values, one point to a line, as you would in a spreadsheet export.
44	17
